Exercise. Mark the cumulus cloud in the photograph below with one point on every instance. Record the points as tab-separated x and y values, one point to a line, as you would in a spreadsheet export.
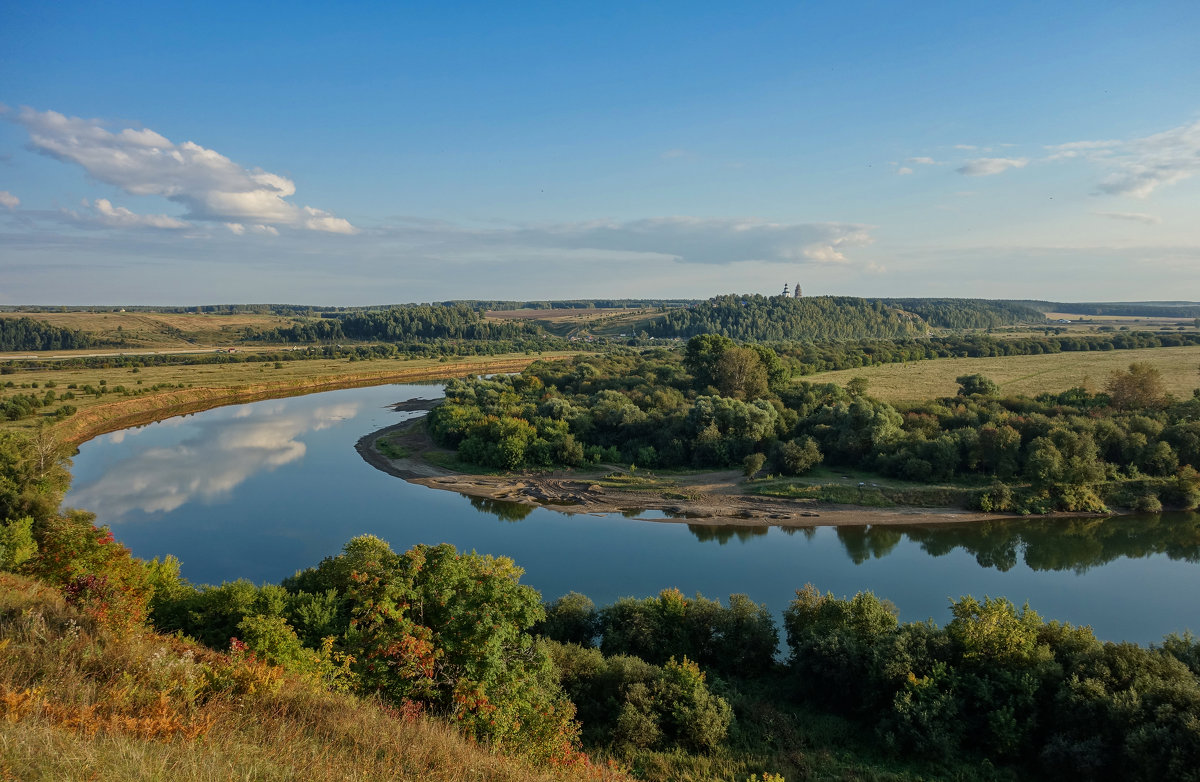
987	166
1145	164
904	171
8	200
142	162
1135	217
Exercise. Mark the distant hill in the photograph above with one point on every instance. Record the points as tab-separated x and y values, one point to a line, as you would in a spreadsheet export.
825	318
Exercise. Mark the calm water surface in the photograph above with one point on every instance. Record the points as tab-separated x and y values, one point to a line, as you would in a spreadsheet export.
260	490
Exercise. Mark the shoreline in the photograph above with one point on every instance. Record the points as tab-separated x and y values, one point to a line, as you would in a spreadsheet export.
710	498
126	413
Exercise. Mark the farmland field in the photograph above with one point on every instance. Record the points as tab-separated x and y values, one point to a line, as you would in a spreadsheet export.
1028	375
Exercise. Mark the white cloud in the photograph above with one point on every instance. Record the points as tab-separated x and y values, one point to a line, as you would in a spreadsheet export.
318	220
967	147
987	166
1075	149
103	212
922	161
141	162
9	200
1136	217
1145	164
904	170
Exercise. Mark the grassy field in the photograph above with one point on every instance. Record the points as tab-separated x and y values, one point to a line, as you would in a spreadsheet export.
198	386
157	329
1028	375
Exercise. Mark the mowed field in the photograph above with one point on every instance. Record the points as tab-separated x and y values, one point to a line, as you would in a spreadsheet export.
157	329
1027	375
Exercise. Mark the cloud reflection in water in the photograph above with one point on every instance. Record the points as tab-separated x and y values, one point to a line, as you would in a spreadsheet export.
208	466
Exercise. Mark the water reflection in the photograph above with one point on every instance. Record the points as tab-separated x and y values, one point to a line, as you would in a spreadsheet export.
1074	544
208	465
723	533
501	509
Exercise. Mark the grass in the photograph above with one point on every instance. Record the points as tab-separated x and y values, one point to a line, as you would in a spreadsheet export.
858	487
77	703
391	450
633	482
1028	375
448	460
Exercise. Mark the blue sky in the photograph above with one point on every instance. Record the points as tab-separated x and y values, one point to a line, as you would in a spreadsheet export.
375	153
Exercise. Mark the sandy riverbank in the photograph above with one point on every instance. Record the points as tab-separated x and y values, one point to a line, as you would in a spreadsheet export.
715	498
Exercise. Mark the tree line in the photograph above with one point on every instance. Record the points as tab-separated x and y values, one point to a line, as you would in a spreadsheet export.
29	334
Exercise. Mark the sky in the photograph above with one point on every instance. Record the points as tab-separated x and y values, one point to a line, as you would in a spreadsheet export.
373	153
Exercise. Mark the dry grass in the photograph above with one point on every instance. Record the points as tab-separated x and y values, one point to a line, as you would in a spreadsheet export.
75	703
1028	375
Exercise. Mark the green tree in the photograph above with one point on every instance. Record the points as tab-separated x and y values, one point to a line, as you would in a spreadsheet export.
971	385
739	373
1140	387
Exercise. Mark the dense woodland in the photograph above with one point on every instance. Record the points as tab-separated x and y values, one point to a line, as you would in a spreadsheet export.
669	686
416	322
30	334
724	405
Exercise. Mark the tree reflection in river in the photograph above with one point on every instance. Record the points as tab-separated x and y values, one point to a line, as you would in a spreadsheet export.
723	533
1058	544
501	509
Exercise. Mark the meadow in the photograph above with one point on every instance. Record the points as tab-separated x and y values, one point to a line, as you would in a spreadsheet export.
1028	375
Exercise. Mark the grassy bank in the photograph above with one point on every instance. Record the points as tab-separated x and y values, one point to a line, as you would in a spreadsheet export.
136	395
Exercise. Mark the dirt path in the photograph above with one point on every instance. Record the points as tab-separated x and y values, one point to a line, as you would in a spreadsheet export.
695	498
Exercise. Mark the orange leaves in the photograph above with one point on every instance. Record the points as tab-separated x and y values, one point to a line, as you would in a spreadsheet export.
159	719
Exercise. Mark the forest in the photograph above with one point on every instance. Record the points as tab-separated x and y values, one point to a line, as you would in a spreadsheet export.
29	334
722	405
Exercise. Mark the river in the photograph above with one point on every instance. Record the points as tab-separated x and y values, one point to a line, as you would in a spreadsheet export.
261	490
